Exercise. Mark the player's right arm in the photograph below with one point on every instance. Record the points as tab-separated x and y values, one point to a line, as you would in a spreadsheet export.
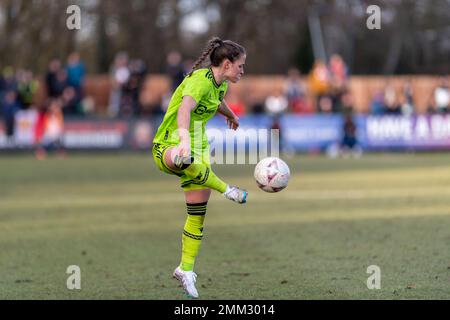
183	120
196	87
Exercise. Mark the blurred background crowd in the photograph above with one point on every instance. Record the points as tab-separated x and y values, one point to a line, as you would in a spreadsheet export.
325	89
320	58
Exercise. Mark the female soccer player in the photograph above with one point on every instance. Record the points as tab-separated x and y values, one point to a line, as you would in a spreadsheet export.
181	147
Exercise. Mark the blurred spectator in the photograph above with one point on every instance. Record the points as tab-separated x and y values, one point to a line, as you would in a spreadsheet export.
39	128
258	107
53	88
406	109
70	103
276	104
391	105
75	71
175	69
440	100
130	103
346	102
431	109
325	104
338	80
255	103
120	75
338	73
295	92
8	81
235	104
319	78
407	100
50	128
9	108
27	88
75	74
349	140
319	81
377	103
276	125
60	83
88	105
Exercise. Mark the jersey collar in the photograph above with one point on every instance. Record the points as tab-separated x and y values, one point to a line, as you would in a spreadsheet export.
212	78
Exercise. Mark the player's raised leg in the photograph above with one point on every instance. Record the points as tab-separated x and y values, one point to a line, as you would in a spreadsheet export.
202	174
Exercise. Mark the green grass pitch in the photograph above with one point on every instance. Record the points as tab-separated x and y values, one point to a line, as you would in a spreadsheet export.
120	220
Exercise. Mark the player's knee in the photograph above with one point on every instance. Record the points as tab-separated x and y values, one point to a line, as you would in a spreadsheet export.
183	163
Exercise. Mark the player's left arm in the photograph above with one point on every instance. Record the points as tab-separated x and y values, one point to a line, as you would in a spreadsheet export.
232	119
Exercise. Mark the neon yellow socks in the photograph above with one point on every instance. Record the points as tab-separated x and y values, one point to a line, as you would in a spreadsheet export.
192	235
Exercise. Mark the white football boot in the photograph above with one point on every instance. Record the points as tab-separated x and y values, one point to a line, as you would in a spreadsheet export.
236	194
187	279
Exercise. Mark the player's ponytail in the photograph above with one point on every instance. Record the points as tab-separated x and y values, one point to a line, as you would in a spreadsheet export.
217	50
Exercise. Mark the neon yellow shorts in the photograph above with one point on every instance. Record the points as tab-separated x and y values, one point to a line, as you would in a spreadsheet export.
159	151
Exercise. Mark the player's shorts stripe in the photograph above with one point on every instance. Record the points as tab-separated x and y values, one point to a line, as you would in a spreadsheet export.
174	172
193	236
205	178
186	183
157	146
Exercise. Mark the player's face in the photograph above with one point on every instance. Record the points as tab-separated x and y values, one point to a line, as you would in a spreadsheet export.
235	70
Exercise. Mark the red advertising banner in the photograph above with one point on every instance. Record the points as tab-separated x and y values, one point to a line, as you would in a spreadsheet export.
102	134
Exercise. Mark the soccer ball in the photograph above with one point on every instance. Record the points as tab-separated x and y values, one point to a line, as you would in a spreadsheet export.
272	174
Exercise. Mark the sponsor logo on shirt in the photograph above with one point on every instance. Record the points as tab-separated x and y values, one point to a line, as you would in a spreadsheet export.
201	109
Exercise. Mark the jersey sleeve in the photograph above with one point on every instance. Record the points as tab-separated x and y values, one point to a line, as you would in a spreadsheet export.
196	87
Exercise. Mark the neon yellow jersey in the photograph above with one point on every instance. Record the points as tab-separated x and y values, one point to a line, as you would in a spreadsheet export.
208	95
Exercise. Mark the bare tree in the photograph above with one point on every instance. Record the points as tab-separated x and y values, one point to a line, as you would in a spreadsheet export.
413	39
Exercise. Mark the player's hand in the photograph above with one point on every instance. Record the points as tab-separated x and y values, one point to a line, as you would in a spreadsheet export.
184	149
233	123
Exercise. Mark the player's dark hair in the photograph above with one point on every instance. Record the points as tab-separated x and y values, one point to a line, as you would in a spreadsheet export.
218	50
